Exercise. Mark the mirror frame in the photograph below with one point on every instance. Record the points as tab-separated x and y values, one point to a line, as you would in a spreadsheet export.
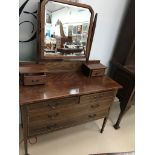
41	29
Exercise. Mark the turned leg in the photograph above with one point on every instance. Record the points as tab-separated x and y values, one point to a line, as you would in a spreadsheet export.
25	129
104	123
25	139
117	125
21	119
25	146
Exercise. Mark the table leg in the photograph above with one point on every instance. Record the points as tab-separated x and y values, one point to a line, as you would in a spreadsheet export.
25	146
25	129
103	125
117	125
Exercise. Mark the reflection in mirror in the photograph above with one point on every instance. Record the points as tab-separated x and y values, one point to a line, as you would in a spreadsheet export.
66	30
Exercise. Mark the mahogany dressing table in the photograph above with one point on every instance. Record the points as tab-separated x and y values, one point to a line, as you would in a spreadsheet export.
68	97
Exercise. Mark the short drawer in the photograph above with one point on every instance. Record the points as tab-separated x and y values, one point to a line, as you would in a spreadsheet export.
97	97
52	104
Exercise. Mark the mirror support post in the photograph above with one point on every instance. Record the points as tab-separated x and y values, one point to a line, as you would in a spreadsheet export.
38	33
92	36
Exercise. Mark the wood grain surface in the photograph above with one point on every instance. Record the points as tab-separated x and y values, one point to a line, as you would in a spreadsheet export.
61	85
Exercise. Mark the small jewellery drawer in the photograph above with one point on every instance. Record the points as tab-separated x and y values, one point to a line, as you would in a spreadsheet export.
97	97
45	127
52	104
98	72
34	79
93	70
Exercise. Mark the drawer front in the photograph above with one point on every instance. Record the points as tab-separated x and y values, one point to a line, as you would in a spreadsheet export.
69	112
97	97
53	104
34	79
46	127
98	72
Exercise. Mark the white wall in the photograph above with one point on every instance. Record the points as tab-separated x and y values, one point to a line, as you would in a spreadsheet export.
109	19
27	50
110	14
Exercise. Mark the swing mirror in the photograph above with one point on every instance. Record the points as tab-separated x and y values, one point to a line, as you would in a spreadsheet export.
65	29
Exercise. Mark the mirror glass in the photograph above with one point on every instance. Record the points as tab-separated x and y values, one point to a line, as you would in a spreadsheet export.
66	30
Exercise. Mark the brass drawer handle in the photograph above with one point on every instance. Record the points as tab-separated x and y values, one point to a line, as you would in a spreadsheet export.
51	107
51	126
54	115
48	127
97	73
92	116
95	97
95	106
35	80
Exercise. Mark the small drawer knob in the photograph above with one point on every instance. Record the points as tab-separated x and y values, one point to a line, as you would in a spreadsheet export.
35	80
49	116
57	114
51	126
95	106
54	115
92	116
95	97
53	107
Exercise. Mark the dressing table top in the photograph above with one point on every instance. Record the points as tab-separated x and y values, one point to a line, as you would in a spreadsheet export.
61	85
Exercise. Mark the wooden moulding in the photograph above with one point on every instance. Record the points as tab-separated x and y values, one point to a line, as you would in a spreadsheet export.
59	66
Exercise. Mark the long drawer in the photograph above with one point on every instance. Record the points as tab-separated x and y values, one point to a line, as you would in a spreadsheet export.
69	112
55	125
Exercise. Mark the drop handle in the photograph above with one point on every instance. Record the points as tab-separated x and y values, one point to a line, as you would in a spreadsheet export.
51	107
95	106
54	115
35	80
51	126
92	116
